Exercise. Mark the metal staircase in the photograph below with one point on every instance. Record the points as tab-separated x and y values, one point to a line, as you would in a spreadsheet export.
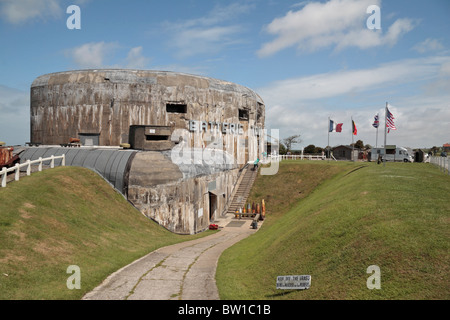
243	190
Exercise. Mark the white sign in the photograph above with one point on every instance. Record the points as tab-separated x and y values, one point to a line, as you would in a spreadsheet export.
294	282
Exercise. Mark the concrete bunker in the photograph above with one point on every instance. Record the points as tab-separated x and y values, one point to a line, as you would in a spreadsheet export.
189	136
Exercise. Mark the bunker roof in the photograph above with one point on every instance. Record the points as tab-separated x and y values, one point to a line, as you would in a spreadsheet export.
150	77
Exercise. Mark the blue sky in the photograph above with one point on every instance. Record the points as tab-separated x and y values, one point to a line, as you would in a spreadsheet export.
309	60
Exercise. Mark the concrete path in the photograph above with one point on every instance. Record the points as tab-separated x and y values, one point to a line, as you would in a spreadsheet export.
184	271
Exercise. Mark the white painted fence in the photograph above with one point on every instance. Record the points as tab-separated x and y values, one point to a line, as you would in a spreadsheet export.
282	157
28	164
442	162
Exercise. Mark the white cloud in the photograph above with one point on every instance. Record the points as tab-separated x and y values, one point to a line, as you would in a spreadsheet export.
219	15
428	45
136	59
91	55
300	4
208	34
420	121
194	41
332	84
101	55
13	100
302	105
15	116
336	23
20	11
396	30
445	69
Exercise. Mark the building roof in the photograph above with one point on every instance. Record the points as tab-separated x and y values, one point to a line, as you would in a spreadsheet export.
149	77
344	146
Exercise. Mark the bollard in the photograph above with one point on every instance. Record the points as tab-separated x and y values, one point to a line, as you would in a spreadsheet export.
17	176
29	167
4	177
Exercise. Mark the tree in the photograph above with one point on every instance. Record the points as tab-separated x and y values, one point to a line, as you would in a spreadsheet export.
359	144
434	150
282	149
289	141
310	149
277	144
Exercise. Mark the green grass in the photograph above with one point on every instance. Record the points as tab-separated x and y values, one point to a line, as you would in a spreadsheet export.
69	216
332	223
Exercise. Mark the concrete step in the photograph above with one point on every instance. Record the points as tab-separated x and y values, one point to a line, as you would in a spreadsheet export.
242	191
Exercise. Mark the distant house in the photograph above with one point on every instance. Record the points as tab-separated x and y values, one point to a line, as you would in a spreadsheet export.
343	152
446	147
419	155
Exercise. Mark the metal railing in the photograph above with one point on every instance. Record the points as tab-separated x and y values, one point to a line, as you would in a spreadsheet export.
4	172
442	162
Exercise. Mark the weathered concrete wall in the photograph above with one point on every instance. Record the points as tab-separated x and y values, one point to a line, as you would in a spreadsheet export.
183	207
212	126
107	102
176	197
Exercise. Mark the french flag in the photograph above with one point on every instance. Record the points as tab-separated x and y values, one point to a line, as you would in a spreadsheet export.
337	127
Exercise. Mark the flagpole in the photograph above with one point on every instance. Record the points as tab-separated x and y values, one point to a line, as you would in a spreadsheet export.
385	130
376	140
329	156
353	145
376	143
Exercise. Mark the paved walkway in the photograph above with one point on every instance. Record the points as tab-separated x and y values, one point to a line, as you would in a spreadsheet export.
184	271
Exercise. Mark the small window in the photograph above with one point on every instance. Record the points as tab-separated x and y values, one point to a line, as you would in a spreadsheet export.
243	114
176	108
259	111
156	138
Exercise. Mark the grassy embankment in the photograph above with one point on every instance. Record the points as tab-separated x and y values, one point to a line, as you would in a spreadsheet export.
69	216
395	217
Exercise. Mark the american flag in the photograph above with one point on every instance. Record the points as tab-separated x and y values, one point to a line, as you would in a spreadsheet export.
390	120
376	122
